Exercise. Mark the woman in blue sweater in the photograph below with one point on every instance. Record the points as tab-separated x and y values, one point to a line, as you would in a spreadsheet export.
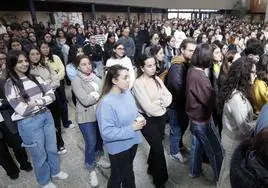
119	123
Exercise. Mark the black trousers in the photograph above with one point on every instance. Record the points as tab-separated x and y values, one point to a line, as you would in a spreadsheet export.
157	165
73	98
14	141
63	103
56	114
122	169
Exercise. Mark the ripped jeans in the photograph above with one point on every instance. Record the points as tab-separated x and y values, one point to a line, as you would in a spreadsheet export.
39	138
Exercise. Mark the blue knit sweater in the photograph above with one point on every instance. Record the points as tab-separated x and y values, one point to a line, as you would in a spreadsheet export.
116	114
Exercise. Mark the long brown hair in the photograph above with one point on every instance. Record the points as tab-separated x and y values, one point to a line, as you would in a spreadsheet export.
112	73
141	64
228	58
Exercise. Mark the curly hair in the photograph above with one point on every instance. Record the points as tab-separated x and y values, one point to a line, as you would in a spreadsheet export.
239	77
262	68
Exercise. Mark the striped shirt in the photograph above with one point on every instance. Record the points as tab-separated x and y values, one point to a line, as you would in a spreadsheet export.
21	107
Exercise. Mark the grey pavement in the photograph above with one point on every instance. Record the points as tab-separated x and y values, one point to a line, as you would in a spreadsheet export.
73	163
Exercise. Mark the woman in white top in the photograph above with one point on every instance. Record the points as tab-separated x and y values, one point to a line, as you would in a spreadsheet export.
119	58
153	98
237	115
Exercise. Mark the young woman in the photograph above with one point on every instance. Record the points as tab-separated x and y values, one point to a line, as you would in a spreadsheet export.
216	62
202	38
260	88
213	73
60	37
28	96
229	58
118	32
170	51
119	124
153	98
6	39
32	38
86	86
55	63
200	101
119	58
62	44
237	115
39	68
158	53
154	40
80	36
71	70
48	38
162	37
108	47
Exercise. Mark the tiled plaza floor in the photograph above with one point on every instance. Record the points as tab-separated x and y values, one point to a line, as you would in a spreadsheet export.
72	163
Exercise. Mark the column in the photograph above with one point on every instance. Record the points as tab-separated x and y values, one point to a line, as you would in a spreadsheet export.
93	11
128	14
33	13
151	13
266	12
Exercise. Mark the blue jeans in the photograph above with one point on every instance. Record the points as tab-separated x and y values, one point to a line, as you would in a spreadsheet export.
178	124
39	138
93	143
205	138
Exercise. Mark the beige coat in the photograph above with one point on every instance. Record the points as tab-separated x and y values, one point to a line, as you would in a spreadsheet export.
86	101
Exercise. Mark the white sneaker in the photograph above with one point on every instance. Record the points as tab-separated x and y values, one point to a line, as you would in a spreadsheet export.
71	126
49	185
93	179
62	151
180	157
61	175
103	163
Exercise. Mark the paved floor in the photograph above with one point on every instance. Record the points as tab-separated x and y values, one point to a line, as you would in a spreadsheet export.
72	162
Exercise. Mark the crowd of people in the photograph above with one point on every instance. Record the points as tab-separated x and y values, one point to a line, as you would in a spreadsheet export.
128	80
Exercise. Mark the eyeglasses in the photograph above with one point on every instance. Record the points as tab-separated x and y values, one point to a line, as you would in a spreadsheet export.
120	48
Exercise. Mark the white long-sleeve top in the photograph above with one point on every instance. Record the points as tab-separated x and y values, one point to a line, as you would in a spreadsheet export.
125	62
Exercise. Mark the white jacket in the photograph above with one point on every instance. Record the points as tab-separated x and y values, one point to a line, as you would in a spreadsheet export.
237	117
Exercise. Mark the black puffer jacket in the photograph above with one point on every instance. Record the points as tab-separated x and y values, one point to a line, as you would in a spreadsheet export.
246	171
